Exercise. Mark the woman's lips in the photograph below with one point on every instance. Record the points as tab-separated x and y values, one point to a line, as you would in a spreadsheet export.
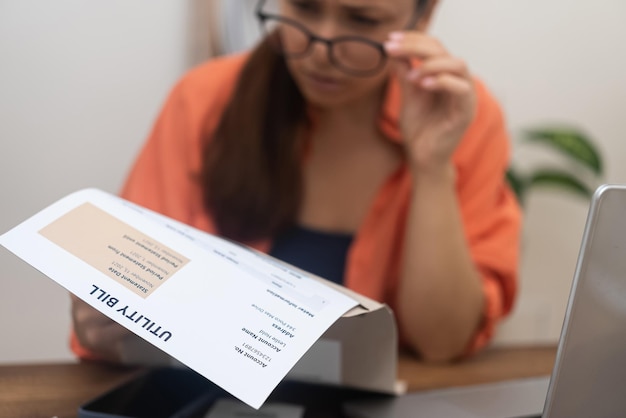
320	82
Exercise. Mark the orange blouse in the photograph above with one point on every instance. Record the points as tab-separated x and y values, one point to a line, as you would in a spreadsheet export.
162	179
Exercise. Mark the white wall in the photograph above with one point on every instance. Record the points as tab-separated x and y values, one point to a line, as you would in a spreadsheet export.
80	84
556	61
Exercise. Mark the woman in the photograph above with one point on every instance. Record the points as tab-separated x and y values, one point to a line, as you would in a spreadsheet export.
351	143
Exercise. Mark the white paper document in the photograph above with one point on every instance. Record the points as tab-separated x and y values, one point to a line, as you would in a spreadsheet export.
239	318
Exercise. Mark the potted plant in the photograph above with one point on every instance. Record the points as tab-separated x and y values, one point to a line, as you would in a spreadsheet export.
580	175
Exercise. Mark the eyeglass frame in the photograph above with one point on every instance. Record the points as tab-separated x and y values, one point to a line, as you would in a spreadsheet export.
312	38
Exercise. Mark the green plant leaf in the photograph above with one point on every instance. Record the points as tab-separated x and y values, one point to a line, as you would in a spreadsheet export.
517	183
571	142
560	180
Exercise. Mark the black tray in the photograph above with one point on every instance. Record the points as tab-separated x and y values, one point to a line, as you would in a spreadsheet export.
183	393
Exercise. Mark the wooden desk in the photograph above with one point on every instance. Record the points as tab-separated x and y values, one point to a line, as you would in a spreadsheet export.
57	390
491	366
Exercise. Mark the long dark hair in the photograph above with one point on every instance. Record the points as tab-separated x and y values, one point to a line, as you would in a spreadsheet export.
251	173
251	167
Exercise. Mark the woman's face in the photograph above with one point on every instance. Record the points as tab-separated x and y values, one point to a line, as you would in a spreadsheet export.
320	79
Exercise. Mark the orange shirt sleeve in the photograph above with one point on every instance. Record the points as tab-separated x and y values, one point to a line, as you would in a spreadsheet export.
491	214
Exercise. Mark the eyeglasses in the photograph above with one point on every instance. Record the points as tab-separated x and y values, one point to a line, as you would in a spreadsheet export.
353	55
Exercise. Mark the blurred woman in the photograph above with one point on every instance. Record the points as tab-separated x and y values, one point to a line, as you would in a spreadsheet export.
351	143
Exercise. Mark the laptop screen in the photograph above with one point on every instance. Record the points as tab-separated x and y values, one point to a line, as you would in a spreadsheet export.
589	378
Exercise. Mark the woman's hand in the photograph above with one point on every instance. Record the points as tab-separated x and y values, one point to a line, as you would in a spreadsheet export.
439	99
97	333
440	296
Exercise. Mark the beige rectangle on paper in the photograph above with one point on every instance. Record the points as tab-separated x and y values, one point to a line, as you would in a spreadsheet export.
115	248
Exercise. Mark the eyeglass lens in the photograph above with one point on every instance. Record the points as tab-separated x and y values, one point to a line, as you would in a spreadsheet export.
352	55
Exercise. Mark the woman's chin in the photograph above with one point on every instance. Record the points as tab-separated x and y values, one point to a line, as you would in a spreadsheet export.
324	96
323	101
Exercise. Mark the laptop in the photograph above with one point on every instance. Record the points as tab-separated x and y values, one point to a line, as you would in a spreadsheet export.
589	375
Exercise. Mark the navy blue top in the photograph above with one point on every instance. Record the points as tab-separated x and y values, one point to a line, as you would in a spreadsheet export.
318	252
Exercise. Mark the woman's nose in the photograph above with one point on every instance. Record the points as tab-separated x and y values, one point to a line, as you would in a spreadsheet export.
320	48
326	29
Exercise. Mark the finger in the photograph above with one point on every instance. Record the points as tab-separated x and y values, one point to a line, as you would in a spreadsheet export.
401	67
85	315
440	65
96	332
448	83
413	45
105	337
106	341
